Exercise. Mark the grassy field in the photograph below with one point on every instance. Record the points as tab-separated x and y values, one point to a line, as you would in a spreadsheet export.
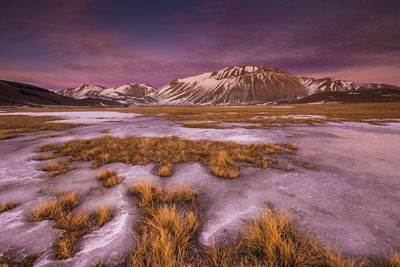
220	157
261	116
13	125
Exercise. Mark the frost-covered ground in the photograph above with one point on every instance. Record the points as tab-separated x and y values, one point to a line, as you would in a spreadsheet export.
351	201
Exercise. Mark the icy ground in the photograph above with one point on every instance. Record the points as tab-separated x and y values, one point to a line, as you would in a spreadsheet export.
351	201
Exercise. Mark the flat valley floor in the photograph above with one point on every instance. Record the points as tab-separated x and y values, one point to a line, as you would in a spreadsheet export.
348	200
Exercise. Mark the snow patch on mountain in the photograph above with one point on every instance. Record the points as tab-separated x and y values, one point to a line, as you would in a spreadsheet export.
233	85
130	94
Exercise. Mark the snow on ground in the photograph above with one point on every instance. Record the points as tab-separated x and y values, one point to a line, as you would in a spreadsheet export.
351	201
86	117
290	116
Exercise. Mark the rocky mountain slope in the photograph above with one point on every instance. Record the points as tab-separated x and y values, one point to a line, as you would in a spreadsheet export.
130	94
233	85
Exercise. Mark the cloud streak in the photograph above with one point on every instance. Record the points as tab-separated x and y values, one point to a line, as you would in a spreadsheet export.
58	44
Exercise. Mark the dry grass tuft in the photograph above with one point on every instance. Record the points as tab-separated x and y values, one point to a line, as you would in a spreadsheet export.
12	125
151	193
76	225
104	215
166	170
109	178
391	261
167	232
55	209
6	206
220	157
221	165
56	168
272	240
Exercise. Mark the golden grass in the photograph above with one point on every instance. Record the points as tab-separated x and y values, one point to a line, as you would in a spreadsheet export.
75	224
55	209
220	157
166	232
12	125
45	157
56	168
6	206
7	134
272	240
167	237
204	125
151	193
49	135
104	215
27	261
109	178
166	170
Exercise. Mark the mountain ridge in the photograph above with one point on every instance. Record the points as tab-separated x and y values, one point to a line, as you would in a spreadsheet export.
243	85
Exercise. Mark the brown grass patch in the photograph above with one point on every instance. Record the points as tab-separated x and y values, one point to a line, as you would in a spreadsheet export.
104	215
12	125
166	170
109	178
6	206
27	261
220	157
7	134
55	209
204	125
166	232
57	168
49	135
75	224
151	193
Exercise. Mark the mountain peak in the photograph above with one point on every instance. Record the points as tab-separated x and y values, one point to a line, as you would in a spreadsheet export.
236	71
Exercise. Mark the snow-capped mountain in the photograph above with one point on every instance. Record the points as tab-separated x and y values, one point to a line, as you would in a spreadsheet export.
334	85
130	94
233	85
81	92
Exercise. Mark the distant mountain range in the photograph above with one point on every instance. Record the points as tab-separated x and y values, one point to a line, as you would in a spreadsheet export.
15	93
237	85
127	94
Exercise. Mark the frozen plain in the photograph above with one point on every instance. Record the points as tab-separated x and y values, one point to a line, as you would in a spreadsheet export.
351	201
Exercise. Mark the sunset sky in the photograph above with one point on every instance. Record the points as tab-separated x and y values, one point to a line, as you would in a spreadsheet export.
59	44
